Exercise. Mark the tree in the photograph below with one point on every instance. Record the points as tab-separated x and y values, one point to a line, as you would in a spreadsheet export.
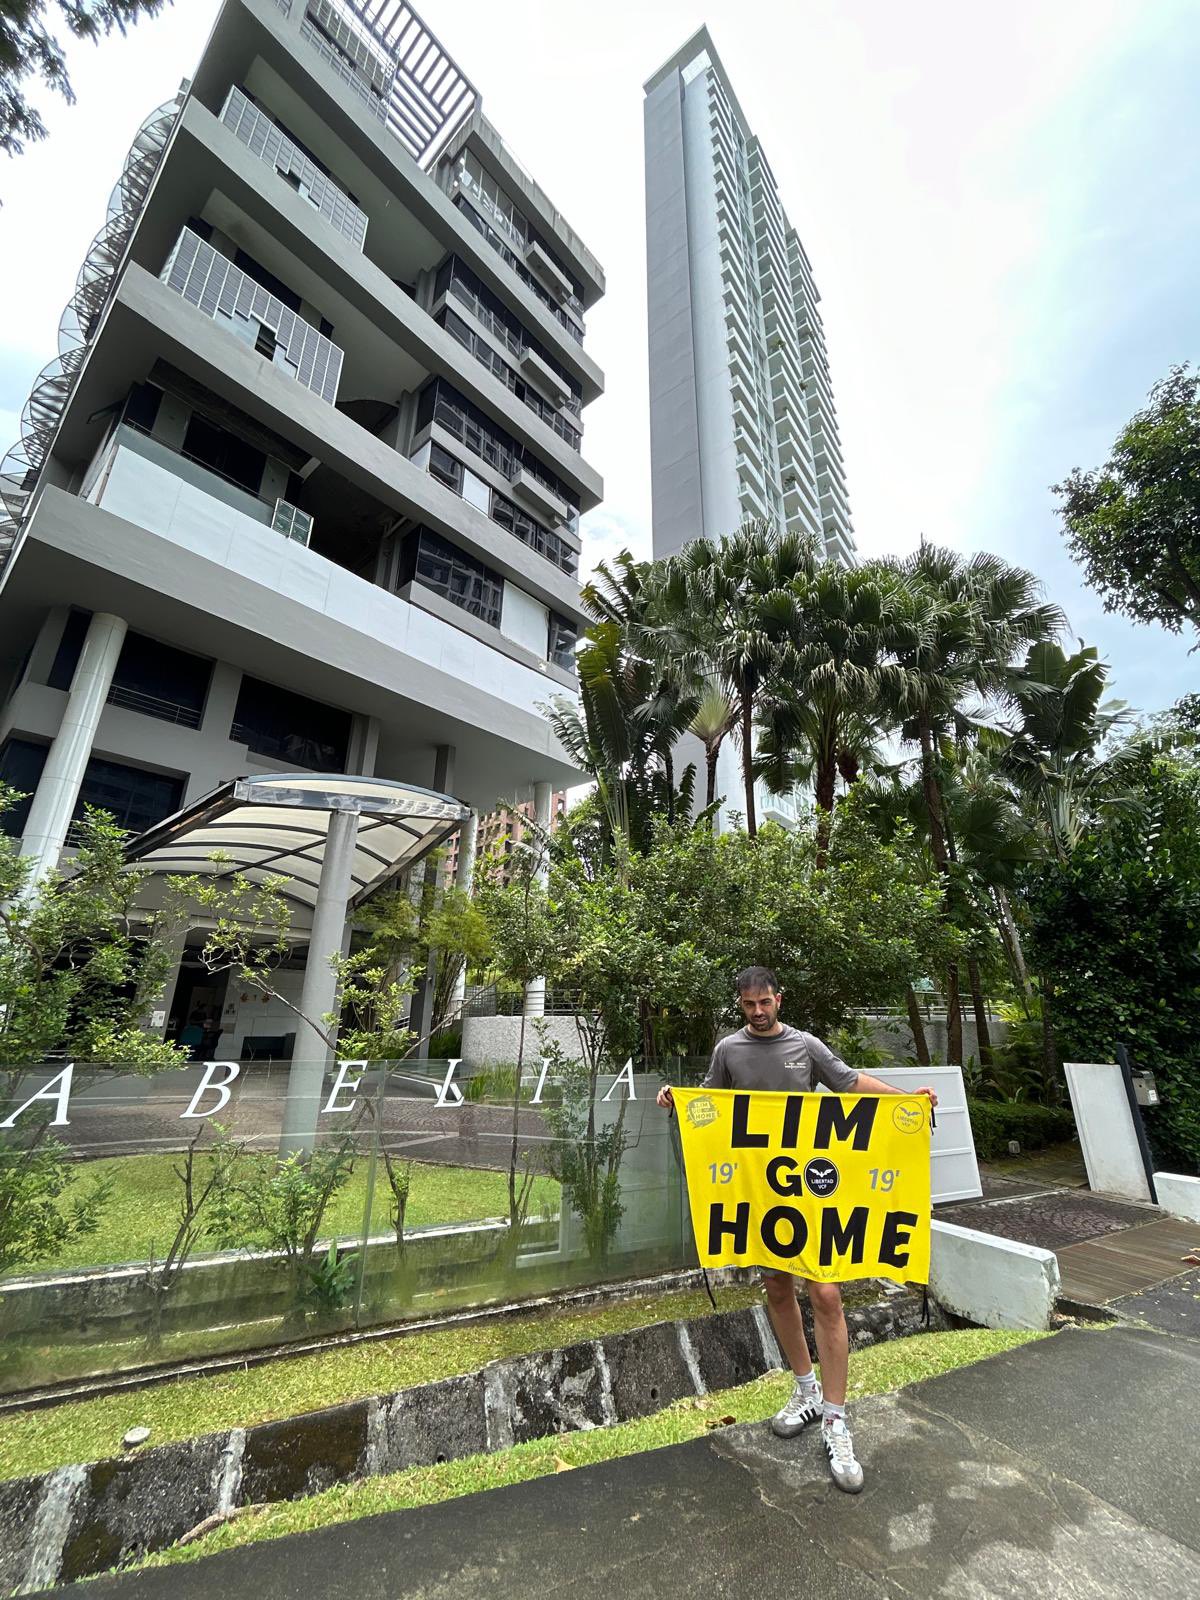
726	612
1054	750
965	620
1116	923
822	720
31	46
622	732
1134	523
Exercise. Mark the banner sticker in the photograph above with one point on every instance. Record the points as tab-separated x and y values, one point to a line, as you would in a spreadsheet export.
825	1186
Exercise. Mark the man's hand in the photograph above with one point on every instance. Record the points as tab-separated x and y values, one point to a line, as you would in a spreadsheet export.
867	1084
665	1099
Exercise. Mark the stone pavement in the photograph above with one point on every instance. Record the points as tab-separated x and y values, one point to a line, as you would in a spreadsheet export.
1063	1469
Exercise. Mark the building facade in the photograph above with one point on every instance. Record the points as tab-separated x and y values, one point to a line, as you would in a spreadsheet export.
302	489
742	419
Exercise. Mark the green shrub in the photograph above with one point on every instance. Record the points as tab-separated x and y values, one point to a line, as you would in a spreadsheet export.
995	1122
445	1045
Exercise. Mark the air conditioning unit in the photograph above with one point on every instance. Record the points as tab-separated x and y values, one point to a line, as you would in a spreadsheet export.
291	522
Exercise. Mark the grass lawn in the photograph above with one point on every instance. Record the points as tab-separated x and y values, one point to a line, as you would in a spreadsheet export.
881	1368
88	1430
143	1210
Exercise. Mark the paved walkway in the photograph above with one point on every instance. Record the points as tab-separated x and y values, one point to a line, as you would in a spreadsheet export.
1042	1472
1106	1248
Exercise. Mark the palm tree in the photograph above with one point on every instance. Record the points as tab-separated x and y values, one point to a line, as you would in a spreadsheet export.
964	620
630	712
716	717
826	721
726	612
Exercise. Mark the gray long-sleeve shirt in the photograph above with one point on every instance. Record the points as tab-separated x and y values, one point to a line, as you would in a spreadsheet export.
790	1061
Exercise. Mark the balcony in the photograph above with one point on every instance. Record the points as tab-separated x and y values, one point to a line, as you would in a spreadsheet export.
544	377
267	140
538	496
211	282
548	273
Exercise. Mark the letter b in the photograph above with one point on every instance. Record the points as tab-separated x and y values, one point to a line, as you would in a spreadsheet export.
222	1088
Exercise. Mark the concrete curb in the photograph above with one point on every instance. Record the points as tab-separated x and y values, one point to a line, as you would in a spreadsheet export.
83	1519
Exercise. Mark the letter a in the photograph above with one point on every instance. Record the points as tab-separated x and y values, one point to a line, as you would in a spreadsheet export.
450	1094
62	1095
624	1076
206	1082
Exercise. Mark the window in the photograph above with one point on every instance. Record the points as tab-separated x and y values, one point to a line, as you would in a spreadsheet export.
445	468
441	403
21	763
441	566
160	681
223	452
522	526
136	799
141	409
70	646
285	726
563	637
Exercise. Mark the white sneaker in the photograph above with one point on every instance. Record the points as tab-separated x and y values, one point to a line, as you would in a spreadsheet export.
802	1408
839	1447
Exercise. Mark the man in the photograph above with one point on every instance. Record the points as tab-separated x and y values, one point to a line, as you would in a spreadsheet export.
768	1054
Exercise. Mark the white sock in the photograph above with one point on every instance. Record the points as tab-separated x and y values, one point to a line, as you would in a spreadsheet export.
806	1382
831	1411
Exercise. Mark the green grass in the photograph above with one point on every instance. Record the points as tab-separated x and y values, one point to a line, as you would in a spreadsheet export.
87	1430
881	1368
143	1211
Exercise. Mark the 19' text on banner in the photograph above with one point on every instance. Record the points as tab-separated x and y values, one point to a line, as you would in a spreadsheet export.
825	1186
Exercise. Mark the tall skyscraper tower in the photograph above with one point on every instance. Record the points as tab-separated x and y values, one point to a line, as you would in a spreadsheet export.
742	420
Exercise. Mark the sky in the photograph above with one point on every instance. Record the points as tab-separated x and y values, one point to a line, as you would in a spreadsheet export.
1000	203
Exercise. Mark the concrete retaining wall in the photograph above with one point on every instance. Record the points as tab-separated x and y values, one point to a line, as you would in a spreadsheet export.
995	1282
1178	1194
83	1519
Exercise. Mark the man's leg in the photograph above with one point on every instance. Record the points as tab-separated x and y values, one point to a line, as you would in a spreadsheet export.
833	1347
784	1310
833	1342
804	1404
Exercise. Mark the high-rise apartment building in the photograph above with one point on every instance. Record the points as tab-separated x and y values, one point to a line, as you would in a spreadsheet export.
301	491
742	420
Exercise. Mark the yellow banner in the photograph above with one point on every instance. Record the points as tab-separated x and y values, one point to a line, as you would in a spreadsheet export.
825	1186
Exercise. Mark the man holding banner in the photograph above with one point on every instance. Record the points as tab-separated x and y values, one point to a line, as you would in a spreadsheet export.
805	1185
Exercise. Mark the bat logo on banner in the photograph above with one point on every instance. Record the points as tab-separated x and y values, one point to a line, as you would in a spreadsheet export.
820	1178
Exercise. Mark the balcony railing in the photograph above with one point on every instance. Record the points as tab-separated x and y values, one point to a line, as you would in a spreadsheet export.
152	705
267	140
211	282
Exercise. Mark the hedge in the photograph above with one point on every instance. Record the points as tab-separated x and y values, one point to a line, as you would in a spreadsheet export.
995	1122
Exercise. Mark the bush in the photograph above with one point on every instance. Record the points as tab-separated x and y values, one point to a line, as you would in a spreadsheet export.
995	1122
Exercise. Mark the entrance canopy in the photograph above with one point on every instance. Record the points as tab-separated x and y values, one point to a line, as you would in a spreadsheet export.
278	824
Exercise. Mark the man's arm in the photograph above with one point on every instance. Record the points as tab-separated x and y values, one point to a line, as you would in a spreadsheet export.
867	1084
715	1078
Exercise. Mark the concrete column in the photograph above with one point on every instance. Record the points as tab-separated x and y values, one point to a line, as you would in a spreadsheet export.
420	1015
58	790
319	990
535	992
464	877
